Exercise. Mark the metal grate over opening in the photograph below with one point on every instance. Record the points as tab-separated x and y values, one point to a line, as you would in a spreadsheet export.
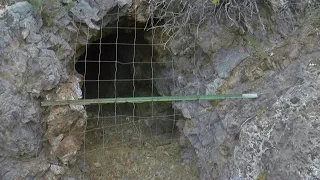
131	130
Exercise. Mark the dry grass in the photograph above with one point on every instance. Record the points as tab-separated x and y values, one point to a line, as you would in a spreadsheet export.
162	162
127	150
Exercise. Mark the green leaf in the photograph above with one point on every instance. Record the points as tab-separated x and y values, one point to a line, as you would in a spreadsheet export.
215	2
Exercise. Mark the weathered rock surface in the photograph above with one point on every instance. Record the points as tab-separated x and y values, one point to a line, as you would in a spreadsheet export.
275	136
65	125
272	137
36	46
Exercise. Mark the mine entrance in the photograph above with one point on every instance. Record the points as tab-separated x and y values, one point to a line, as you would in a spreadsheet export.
122	65
127	141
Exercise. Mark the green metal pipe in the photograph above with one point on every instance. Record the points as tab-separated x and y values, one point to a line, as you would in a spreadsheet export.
146	99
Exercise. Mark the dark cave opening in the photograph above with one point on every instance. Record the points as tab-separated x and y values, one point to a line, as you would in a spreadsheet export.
117	67
122	64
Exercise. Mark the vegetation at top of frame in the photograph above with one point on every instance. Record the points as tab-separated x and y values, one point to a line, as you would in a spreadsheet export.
37	4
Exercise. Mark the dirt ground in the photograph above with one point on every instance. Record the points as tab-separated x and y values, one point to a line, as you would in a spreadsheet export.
124	148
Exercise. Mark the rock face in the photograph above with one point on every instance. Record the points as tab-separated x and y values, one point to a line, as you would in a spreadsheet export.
36	48
21	83
276	135
272	137
65	125
274	54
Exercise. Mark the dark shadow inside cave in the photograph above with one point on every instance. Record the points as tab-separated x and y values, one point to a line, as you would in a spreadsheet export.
119	67
122	64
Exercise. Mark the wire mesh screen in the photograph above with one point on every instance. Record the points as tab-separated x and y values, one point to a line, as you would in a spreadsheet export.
131	131
127	140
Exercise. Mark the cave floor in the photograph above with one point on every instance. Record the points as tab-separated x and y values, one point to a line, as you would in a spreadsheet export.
125	149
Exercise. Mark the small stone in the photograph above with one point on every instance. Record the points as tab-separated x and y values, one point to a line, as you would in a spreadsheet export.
187	155
57	170
294	100
97	164
295	53
224	150
271	54
285	63
84	167
186	113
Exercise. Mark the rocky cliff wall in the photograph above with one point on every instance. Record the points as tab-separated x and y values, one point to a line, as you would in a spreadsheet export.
269	47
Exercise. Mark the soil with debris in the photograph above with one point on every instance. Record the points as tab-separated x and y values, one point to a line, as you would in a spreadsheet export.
125	148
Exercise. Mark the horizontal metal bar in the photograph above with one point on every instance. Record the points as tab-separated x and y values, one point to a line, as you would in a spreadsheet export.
122	43
146	99
119	62
122	80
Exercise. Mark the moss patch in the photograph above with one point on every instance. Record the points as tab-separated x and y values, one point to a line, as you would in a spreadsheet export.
262	175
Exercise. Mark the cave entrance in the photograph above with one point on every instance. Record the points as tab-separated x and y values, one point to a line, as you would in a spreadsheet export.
114	67
122	64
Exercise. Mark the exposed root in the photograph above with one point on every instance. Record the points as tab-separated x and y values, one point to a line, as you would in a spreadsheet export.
172	15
